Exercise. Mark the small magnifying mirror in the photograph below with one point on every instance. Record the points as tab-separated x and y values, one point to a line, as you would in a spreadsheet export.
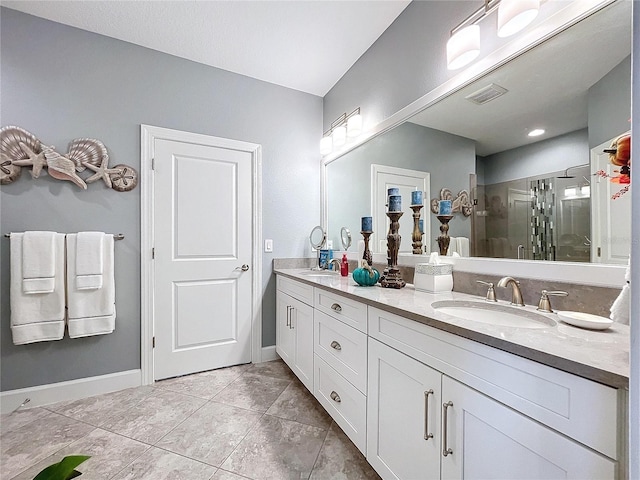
317	238
345	236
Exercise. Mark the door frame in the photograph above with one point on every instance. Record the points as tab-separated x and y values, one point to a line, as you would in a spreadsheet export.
148	135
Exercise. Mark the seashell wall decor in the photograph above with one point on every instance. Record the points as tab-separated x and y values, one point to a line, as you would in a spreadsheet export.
459	204
21	149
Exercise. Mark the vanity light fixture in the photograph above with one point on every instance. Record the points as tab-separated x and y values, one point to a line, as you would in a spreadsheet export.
514	15
536	132
463	45
342	127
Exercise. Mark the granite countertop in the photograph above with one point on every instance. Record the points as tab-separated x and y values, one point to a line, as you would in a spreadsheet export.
602	356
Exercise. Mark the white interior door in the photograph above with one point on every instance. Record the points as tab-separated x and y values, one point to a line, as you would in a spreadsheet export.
610	219
202	238
383	178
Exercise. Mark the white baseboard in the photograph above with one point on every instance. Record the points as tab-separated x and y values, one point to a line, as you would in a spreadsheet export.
70	390
269	353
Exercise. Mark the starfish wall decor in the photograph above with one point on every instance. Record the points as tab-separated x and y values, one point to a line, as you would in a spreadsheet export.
21	149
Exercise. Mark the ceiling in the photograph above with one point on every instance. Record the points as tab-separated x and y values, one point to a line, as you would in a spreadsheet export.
547	86
304	45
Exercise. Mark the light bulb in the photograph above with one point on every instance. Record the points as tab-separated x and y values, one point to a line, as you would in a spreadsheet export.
354	125
326	145
463	47
339	136
514	15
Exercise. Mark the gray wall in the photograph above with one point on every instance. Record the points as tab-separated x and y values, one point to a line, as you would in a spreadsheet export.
62	83
608	104
408	146
552	155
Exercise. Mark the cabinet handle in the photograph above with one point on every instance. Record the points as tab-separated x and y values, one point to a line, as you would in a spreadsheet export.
336	345
335	397
427	435
445	450
288	324
336	307
291	317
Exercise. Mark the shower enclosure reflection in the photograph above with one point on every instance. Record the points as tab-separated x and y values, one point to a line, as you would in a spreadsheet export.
536	218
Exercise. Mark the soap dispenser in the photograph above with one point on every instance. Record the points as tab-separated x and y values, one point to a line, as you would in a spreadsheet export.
344	266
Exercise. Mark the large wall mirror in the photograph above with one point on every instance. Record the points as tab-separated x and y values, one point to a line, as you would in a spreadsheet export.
537	198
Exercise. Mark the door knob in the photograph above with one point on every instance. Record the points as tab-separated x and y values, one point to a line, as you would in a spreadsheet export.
244	267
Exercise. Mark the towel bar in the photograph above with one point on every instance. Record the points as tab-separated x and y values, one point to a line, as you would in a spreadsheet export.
116	236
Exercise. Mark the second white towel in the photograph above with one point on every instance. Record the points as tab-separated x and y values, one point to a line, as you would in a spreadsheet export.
91	311
89	260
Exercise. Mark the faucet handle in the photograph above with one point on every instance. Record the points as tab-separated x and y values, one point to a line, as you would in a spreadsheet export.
491	293
545	304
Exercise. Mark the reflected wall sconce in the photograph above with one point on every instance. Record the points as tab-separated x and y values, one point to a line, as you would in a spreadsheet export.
342	127
463	46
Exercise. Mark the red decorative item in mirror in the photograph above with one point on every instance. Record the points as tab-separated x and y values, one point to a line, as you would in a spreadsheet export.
620	155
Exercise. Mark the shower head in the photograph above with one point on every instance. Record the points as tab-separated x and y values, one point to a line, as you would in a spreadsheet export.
566	172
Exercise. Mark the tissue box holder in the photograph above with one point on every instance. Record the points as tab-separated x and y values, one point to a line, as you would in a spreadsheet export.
433	278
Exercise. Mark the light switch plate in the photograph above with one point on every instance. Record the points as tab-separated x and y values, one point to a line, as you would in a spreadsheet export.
268	245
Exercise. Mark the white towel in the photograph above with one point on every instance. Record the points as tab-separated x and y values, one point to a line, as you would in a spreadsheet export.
91	312
89	260
453	246
463	246
36	317
620	310
38	262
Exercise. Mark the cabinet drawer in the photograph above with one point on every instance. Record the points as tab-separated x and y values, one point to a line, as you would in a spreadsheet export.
344	402
342	347
349	311
301	291
581	409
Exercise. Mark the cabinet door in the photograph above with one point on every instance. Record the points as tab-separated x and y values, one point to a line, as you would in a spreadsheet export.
487	440
403	415
302	328
285	336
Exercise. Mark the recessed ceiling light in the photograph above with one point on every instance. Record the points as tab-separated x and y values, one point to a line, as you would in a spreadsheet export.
536	133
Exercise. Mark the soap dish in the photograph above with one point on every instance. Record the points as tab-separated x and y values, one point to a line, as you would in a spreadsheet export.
585	320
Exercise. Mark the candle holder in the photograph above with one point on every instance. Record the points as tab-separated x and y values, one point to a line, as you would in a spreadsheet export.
367	253
444	239
393	279
417	234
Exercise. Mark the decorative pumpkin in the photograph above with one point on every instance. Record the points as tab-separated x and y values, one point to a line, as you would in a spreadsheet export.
365	275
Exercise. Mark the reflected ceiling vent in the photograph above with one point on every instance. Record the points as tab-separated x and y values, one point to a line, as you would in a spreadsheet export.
486	94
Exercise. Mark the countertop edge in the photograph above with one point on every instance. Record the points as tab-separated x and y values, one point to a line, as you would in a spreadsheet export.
589	372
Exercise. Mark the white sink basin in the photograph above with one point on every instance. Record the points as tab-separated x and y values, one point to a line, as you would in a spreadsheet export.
320	273
499	315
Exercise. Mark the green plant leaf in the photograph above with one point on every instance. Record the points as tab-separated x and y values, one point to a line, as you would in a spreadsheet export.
64	469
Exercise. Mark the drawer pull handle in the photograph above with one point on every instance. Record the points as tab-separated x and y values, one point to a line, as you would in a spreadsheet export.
335	397
336	345
336	307
427	435
445	450
288	324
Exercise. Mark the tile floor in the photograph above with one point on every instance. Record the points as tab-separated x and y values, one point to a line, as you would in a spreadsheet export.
244	422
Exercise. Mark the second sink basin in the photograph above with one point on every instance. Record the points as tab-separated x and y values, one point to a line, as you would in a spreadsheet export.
499	315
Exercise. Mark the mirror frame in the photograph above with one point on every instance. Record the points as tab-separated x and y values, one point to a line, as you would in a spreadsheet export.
598	274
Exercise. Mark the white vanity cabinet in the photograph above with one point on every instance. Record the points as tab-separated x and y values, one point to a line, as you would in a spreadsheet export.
505	416
424	425
340	350
403	415
423	403
294	328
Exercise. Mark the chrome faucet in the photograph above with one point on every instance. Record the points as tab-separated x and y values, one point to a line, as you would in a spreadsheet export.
516	294
337	264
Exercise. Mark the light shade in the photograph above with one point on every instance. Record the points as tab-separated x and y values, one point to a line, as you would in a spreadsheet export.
514	15
339	136
463	47
326	145
536	132
354	125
